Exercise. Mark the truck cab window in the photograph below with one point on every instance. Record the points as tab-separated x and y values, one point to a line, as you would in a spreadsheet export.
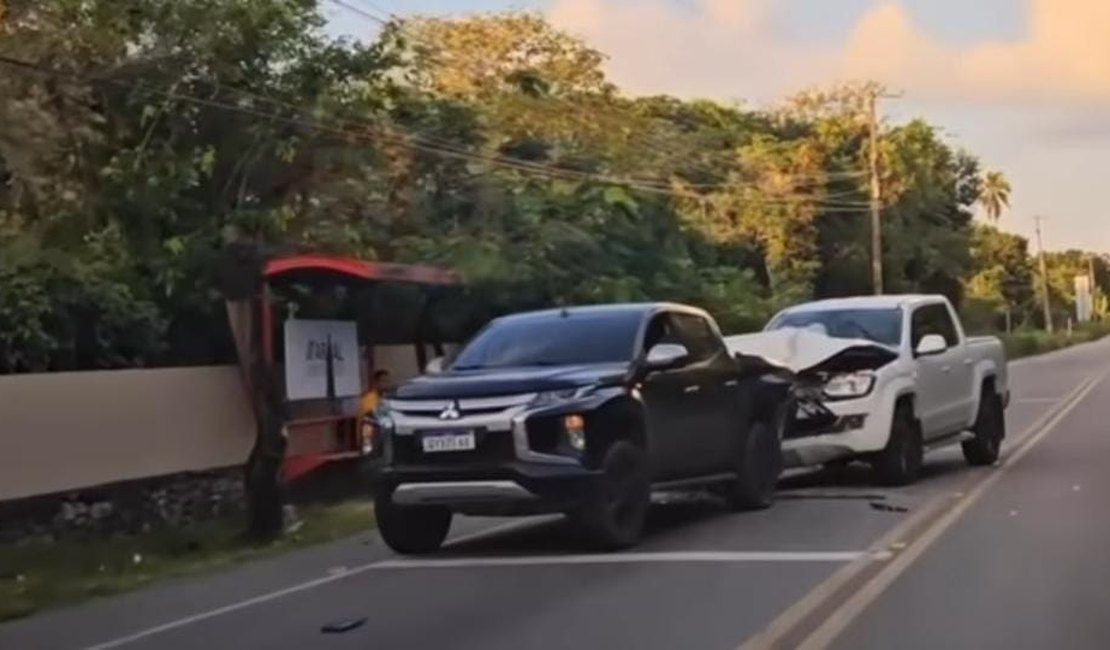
698	337
660	330
933	319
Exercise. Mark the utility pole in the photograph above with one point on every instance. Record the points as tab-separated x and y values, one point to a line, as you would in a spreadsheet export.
1044	278
876	192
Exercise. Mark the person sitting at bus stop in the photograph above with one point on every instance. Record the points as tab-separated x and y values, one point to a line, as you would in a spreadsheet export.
373	395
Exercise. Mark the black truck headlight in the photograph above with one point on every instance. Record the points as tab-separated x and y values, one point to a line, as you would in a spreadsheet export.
556	397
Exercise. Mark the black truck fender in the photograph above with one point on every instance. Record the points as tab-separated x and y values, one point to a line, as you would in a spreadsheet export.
617	414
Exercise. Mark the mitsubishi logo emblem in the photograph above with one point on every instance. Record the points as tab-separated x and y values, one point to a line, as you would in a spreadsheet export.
451	412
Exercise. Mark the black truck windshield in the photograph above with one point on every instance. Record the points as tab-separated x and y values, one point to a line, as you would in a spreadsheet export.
554	340
879	325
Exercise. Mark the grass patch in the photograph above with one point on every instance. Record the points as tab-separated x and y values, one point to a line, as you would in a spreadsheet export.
36	575
1025	343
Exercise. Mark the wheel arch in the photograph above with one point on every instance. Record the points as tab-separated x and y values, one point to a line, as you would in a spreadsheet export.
986	377
620	417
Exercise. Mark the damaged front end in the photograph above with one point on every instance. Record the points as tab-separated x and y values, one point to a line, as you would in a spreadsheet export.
821	369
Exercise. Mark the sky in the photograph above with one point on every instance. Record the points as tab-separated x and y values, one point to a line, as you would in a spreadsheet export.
1023	84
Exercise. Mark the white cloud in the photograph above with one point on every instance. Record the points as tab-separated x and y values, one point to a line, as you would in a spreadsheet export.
727	48
734	48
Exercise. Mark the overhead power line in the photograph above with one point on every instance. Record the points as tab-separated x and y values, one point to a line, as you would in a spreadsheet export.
373	133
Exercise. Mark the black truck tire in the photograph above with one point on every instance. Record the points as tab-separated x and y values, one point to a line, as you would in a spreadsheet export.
757	470
899	463
411	530
613	517
989	430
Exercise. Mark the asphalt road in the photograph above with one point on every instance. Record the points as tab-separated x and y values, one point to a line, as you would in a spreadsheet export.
1008	557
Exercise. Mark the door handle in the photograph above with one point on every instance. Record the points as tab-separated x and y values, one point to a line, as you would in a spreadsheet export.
732	382
691	389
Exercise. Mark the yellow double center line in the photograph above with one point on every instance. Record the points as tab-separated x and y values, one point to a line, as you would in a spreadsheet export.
816	620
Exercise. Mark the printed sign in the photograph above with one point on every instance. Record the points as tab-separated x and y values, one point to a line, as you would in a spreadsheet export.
308	344
1084	304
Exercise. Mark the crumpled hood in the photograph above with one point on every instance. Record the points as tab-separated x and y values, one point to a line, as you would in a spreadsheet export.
801	351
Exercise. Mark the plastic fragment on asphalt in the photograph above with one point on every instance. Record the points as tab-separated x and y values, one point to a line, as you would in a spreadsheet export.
898	546
1013	513
339	627
1075	488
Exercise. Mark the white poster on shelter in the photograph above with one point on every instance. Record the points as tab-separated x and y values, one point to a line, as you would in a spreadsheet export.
307	343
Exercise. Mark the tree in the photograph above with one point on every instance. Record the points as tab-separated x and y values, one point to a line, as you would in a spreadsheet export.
1002	279
995	195
489	54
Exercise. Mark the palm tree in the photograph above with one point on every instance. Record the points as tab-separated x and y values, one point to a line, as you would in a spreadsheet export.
994	195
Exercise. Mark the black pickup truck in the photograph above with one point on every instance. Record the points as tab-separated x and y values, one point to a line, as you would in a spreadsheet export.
583	411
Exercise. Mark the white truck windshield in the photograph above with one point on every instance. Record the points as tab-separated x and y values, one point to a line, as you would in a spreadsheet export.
878	325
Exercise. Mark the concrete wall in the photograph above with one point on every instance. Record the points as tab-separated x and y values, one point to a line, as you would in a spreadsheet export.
62	431
65	431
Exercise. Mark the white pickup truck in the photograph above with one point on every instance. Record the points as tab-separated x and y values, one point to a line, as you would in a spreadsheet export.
934	387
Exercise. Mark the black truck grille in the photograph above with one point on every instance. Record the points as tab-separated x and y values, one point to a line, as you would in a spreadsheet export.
490	447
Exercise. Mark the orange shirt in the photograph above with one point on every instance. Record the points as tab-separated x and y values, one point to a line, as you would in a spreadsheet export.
369	402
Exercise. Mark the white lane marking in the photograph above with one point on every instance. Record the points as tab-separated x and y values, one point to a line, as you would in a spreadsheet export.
293	589
628	558
227	609
850	609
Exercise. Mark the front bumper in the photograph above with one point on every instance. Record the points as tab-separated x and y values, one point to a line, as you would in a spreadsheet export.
862	426
506	488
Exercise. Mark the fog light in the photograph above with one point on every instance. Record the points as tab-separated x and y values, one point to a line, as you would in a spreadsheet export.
369	435
575	428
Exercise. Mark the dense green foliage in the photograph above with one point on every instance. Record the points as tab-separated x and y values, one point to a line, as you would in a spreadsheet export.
154	133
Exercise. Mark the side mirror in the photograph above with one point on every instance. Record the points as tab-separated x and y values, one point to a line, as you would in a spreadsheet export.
435	366
666	355
931	344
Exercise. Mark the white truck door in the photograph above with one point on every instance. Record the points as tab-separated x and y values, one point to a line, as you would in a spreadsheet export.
963	371
941	392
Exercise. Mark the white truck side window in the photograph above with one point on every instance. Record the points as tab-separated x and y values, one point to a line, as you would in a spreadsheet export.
933	319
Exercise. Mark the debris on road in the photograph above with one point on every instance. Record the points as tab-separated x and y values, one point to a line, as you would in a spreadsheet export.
339	627
886	507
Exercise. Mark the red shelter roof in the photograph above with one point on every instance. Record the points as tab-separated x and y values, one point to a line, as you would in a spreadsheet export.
354	268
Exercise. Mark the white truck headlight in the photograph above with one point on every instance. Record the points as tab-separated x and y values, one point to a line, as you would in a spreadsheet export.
849	386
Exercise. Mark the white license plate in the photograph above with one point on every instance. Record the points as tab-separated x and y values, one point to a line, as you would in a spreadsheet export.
448	442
